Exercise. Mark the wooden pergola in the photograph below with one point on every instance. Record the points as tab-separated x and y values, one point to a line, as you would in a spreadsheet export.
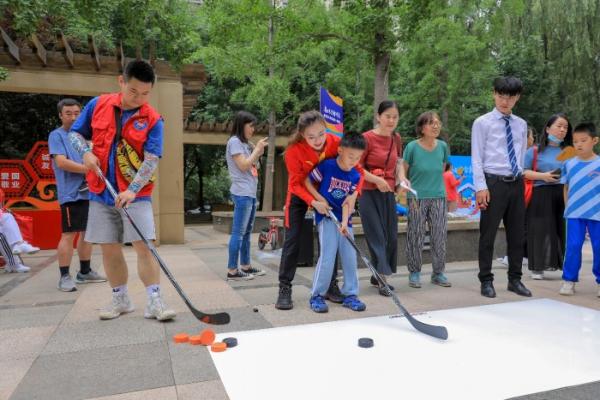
57	69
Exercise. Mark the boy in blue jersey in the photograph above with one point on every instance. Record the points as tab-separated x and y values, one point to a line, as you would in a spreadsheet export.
337	179
581	177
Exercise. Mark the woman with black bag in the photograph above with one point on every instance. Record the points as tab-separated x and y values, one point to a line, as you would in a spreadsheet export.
382	162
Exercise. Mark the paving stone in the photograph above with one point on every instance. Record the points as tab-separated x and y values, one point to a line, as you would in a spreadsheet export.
23	343
97	372
164	393
22	317
212	390
99	334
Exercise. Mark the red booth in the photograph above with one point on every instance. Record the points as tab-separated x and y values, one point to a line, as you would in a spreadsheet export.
30	191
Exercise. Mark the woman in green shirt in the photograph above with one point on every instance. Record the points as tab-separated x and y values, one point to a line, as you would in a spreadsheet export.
424	162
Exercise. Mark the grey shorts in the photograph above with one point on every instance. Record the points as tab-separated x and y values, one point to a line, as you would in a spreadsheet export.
107	224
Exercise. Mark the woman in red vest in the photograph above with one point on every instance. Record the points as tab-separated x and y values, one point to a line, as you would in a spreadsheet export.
307	147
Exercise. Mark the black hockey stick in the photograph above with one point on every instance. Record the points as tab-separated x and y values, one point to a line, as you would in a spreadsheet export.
215	319
439	332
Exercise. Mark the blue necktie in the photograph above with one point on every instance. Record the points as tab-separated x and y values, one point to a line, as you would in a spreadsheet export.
511	148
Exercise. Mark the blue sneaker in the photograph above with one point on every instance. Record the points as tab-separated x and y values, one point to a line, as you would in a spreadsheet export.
440	280
352	302
318	305
414	280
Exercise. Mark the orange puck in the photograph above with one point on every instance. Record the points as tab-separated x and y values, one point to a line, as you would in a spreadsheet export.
181	338
218	347
208	337
196	339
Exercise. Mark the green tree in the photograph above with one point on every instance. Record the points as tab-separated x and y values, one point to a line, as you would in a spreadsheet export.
170	26
267	49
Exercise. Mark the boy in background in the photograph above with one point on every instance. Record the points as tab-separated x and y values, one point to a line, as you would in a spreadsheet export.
581	178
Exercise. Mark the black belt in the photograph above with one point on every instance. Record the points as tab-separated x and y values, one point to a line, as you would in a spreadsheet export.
506	178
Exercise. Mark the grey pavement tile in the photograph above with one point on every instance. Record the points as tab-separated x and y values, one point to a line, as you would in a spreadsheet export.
97	372
23	343
163	393
242	319
12	371
191	363
589	391
13	318
103	334
209	390
259	296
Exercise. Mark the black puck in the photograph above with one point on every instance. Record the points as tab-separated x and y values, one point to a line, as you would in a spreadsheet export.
255	309
365	342
230	342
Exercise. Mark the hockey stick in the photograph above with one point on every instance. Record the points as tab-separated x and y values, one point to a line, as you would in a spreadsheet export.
439	332
215	319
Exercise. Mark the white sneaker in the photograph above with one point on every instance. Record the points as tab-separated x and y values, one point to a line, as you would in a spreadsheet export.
24	247
156	308
16	268
567	288
121	303
503	260
525	262
538	276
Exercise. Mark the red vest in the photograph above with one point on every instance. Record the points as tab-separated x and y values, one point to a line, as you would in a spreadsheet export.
135	132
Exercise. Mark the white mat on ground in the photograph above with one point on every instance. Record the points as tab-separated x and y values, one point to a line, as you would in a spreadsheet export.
493	352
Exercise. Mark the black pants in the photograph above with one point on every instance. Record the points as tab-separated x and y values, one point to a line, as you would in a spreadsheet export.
507	204
291	246
380	226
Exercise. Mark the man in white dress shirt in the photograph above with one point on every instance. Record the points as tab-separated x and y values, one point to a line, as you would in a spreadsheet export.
498	145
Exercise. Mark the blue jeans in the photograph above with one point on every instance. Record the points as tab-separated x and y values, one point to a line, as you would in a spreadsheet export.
575	237
332	242
244	210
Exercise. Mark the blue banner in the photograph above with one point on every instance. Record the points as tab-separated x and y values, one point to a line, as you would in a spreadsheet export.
332	108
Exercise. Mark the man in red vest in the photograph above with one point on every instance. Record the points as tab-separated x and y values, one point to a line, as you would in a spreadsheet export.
127	141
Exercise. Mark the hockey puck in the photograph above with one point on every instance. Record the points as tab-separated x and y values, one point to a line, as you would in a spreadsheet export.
208	337
365	342
181	338
230	342
218	347
255	309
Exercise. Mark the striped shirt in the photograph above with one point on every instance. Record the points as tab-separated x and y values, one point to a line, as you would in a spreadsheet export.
583	178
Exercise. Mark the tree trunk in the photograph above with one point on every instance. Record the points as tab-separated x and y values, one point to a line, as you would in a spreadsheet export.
381	91
267	203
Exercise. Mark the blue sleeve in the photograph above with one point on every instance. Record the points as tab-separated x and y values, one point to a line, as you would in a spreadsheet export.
355	181
564	174
56	145
154	142
528	159
83	123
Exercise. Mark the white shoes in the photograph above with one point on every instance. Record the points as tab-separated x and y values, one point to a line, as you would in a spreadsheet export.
24	247
504	261
568	289
156	308
121	303
16	268
537	275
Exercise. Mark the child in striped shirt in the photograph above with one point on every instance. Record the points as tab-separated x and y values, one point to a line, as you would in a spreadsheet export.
581	179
